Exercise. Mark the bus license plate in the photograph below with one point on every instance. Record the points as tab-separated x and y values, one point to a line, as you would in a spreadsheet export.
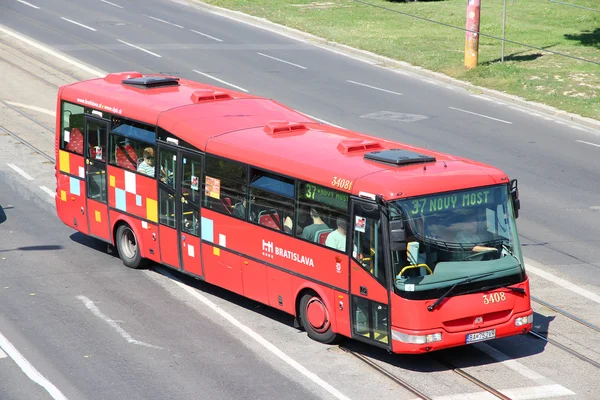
481	336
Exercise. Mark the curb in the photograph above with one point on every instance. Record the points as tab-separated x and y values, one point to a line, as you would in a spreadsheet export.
386	62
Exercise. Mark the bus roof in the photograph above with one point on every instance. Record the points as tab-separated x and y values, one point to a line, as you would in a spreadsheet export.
266	134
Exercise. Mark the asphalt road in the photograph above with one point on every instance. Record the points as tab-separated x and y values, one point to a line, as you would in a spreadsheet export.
61	291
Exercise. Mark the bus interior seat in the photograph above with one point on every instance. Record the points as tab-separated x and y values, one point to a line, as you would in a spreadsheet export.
269	218
321	235
75	143
125	156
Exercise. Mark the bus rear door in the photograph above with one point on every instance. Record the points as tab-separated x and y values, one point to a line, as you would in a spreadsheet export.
370	313
179	198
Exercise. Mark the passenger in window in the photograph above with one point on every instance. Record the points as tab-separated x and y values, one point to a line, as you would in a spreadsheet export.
337	238
310	231
240	209
147	164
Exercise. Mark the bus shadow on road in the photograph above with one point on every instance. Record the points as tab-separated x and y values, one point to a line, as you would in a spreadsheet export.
3	216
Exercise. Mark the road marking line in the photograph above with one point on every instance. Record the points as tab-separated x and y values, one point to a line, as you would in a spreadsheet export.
525	393
320	120
208	36
259	339
591	144
374	87
220	80
28	369
112	4
113	324
2	354
50	192
163	21
513	364
21	172
280	60
139	48
561	282
480	115
77	23
28	4
53	53
34	108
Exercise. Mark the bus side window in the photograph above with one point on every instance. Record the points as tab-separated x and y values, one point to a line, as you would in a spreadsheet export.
232	178
72	128
272	199
132	146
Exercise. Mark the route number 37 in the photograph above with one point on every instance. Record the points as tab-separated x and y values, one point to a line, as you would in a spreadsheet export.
494	298
341	183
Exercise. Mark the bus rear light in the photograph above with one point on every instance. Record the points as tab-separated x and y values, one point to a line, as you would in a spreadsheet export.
416	339
524	320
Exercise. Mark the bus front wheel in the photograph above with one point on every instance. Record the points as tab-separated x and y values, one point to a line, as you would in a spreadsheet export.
316	320
127	246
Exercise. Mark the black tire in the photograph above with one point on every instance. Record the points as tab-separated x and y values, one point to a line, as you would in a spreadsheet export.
319	327
127	246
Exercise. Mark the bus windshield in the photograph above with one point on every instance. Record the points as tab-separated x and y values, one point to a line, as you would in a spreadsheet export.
456	234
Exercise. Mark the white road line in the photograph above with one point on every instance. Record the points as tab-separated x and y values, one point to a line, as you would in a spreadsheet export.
112	4
21	172
50	192
34	108
53	53
208	36
280	60
591	144
480	115
374	87
320	120
28	4
525	393
2	354
259	339
139	48
561	282
77	23
220	80
113	324
162	20
28	369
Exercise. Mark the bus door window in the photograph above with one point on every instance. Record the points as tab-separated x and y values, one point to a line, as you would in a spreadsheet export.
231	178
96	131
191	194
368	243
72	128
272	199
166	196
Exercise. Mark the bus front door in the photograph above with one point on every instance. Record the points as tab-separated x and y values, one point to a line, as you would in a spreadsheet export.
179	194
96	131
370	313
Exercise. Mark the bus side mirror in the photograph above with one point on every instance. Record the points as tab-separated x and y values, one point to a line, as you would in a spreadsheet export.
397	235
514	195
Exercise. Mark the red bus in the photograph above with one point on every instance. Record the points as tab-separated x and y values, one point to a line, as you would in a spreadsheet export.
356	236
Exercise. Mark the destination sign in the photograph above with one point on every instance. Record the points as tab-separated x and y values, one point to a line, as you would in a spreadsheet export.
326	196
432	204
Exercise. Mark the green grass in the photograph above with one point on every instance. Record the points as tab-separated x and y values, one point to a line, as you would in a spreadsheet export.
558	81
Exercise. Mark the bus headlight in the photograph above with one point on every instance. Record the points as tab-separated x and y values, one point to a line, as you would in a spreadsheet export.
524	320
416	339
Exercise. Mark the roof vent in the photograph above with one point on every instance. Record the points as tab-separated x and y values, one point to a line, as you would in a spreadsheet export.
355	145
118	77
276	127
152	81
399	157
200	96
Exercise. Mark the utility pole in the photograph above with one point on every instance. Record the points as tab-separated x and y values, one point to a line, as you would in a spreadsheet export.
472	35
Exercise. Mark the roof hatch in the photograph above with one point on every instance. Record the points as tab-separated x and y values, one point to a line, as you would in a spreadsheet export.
346	146
152	81
399	157
200	96
275	127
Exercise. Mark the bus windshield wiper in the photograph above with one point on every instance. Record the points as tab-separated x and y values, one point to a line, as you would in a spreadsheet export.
463	282
501	285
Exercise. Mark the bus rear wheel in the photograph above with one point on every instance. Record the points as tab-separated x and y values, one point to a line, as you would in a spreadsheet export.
127	246
316	320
